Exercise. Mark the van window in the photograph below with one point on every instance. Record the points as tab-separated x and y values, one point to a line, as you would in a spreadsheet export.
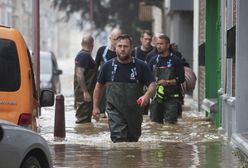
9	66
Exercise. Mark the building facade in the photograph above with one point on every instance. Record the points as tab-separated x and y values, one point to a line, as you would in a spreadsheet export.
220	51
179	25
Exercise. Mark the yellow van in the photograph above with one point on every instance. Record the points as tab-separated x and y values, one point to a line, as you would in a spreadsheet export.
19	102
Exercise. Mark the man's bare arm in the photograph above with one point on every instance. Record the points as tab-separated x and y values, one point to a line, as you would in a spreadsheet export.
151	90
96	100
97	94
81	78
149	94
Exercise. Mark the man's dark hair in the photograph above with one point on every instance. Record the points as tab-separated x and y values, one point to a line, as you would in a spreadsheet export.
166	38
125	36
148	32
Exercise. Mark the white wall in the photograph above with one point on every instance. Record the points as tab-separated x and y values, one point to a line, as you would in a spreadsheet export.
242	68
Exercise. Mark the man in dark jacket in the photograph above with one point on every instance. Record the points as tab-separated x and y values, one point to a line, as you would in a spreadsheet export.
124	78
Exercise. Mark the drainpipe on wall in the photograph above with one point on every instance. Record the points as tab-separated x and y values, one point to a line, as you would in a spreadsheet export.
195	49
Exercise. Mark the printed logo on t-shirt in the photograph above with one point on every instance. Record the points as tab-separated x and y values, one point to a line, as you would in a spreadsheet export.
169	64
133	74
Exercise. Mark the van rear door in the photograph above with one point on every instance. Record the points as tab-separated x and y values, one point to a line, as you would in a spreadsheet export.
18	103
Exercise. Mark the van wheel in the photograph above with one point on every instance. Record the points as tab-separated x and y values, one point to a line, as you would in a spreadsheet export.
31	162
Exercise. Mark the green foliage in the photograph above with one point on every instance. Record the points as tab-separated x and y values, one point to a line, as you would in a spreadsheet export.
123	13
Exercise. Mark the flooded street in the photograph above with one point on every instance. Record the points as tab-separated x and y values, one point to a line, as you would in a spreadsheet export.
179	155
192	143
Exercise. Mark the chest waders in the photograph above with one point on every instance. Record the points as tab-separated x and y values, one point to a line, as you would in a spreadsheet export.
102	105
165	104
84	109
125	116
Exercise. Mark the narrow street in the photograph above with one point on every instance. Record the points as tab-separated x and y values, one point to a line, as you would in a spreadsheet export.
209	37
192	142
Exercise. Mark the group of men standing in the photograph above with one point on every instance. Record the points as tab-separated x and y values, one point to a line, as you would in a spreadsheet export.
123	79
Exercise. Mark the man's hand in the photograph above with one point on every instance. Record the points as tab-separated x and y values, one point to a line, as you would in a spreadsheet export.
96	114
96	101
143	101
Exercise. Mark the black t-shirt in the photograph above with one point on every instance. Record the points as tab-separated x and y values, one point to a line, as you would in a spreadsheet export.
173	62
133	72
84	60
99	55
140	54
151	54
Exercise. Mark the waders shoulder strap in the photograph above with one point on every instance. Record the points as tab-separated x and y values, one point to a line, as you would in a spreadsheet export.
104	54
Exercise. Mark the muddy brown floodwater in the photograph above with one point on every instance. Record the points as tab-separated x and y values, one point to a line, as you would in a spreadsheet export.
192	143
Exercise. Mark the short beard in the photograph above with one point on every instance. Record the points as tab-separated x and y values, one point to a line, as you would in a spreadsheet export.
125	58
160	52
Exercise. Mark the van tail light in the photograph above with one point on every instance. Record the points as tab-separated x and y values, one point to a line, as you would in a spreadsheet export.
25	120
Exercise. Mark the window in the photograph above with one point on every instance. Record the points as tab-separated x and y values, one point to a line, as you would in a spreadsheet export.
9	66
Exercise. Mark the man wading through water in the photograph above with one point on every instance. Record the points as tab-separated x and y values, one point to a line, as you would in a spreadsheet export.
84	80
169	73
124	78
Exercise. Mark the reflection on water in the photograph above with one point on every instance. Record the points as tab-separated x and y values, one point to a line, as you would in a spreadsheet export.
192	142
209	155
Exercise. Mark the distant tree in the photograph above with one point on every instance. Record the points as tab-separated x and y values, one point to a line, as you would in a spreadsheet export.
102	13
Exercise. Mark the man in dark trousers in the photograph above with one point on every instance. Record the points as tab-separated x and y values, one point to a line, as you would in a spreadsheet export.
124	78
84	80
169	74
104	54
